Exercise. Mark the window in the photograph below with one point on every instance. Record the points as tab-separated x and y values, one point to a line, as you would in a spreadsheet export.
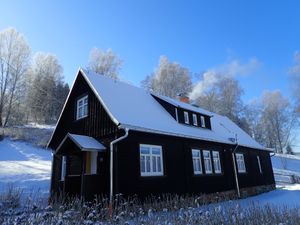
202	121
217	162
186	117
63	168
151	161
259	165
82	107
196	154
195	122
207	161
240	163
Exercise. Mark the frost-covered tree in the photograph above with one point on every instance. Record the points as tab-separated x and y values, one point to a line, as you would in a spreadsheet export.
14	61
47	91
169	79
106	63
223	96
278	119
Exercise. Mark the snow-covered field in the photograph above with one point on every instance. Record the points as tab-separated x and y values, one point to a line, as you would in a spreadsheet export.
286	162
24	166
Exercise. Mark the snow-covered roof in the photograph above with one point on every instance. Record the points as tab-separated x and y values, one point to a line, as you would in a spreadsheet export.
85	143
183	105
134	108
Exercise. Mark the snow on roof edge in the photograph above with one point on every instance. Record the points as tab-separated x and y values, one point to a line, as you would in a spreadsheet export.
130	127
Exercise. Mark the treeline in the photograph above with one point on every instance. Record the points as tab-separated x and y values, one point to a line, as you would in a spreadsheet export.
31	88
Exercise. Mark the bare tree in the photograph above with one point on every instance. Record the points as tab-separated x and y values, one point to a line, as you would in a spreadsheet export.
278	119
14	58
169	79
223	96
48	92
105	63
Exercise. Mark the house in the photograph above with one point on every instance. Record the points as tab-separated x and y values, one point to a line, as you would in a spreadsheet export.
112	137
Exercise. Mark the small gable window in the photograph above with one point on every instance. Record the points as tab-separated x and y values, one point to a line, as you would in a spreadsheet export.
217	162
240	163
202	121
197	161
207	161
186	117
151	161
195	122
82	107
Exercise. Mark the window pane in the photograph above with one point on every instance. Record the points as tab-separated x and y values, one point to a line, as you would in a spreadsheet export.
156	151
159	164
148	169
154	163
145	150
196	153
142	163
80	112
85	110
85	100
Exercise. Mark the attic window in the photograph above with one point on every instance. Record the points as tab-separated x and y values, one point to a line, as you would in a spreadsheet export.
195	122
82	107
186	117
202	121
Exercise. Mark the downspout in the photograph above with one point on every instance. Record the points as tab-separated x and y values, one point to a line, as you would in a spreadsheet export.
112	168
235	172
234	169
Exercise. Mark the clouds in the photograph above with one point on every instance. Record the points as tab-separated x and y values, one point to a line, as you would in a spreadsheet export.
233	68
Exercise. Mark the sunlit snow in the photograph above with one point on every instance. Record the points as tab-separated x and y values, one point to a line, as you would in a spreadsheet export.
24	166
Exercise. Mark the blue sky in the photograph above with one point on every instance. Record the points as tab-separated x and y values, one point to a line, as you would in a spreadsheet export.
200	35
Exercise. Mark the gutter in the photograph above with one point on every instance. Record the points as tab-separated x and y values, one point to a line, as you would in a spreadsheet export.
235	170
112	169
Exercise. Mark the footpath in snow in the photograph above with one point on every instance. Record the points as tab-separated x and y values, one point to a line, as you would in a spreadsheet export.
24	166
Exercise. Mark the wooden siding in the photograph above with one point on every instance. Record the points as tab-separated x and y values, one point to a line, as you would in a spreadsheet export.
97	124
178	167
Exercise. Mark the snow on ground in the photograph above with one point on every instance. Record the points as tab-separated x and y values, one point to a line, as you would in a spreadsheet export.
40	126
288	195
24	166
286	162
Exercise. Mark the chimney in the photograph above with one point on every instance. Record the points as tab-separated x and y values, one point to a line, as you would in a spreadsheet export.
183	97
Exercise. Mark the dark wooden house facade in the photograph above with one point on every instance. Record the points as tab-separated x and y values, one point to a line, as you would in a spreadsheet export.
113	138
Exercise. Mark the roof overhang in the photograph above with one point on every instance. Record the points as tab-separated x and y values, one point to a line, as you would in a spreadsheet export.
82	142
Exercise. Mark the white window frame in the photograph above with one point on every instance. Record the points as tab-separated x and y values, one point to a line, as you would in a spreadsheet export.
82	106
259	164
202	121
63	168
195	121
240	162
157	157
217	162
207	162
186	117
197	164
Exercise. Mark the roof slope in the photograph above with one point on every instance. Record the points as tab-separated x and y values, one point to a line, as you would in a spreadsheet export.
134	108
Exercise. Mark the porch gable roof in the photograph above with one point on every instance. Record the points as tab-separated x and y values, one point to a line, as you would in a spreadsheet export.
84	143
